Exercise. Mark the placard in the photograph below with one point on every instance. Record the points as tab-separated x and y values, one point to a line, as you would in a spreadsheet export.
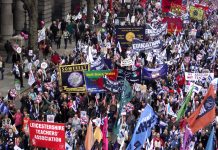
47	135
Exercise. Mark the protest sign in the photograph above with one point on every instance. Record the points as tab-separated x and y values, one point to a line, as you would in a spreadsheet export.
156	32
199	76
91	78
139	45
126	62
72	79
47	135
125	34
148	73
173	24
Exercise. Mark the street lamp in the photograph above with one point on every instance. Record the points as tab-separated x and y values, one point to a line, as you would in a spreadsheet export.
25	21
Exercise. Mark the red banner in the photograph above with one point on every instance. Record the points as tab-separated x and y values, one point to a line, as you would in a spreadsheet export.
173	24
166	4
205	8
47	135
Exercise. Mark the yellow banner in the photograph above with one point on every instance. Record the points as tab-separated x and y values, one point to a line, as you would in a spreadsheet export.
196	13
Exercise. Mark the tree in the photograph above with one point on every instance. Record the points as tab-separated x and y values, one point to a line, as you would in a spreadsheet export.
90	8
32	9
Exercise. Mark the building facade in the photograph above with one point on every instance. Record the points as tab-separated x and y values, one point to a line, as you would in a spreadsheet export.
14	17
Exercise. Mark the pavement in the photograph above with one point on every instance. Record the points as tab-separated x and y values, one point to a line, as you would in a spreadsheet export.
8	82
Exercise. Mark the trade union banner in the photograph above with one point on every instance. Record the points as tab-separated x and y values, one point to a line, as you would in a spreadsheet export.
47	135
72	78
126	34
139	45
156	32
173	24
196	13
153	73
91	78
166	4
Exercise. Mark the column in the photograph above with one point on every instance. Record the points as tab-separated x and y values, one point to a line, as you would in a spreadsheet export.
66	8
6	18
19	16
45	10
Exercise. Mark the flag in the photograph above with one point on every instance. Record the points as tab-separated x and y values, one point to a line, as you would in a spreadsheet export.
98	134
41	35
104	132
210	142
119	47
187	139
205	113
143	128
182	110
126	95
196	13
166	4
89	141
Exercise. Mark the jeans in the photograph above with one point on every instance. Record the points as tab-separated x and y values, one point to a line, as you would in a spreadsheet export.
2	73
65	43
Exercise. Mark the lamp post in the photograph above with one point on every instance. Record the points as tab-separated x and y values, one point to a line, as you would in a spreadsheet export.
25	21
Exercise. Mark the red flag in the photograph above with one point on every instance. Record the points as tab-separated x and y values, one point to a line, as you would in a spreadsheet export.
173	24
111	5
166	4
205	113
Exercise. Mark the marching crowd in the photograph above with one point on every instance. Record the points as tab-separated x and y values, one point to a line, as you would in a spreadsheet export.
183	52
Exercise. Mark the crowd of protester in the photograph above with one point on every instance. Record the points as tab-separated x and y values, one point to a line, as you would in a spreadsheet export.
45	97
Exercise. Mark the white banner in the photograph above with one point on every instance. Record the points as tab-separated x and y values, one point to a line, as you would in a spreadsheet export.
156	32
199	76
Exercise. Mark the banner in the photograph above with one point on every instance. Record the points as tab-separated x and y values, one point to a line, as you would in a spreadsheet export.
143	128
47	135
72	79
113	86
139	45
173	24
156	32
166	4
98	64
178	9
129	75
199	76
126	34
196	13
148	73
91	78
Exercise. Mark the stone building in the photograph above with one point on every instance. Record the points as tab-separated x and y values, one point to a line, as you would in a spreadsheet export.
14	17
